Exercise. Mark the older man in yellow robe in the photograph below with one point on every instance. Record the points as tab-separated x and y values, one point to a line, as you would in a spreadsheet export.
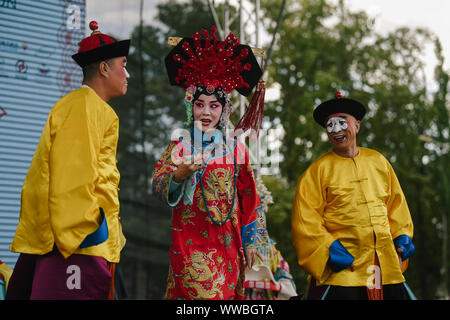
69	234
351	225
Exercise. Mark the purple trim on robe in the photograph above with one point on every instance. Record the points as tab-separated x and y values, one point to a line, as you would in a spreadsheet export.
19	287
79	277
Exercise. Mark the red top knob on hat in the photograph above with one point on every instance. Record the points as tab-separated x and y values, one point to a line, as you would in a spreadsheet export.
338	95
93	25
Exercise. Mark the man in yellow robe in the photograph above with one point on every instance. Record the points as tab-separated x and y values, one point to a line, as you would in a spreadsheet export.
351	225
69	234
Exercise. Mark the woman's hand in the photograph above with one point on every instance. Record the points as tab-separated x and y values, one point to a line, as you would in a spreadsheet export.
187	168
250	257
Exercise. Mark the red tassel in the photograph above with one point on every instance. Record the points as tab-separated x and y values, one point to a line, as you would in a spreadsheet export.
252	118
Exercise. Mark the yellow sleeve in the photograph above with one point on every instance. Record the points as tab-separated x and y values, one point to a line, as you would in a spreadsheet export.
398	212
73	172
6	272
310	237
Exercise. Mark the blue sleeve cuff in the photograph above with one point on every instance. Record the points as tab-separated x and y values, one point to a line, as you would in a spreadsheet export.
340	258
404	242
173	186
175	193
248	233
98	236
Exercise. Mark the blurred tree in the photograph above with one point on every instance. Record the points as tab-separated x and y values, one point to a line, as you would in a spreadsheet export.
322	48
441	146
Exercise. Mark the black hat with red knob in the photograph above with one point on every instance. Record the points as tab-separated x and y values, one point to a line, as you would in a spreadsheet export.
338	105
99	47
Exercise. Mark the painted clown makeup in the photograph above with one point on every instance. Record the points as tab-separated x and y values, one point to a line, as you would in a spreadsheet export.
336	124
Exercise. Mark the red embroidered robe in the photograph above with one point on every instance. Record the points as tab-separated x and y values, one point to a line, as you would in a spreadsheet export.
206	250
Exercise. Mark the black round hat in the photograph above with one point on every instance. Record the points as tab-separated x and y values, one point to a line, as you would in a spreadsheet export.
338	105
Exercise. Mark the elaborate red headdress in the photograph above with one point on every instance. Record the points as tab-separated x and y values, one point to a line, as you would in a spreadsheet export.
215	64
210	62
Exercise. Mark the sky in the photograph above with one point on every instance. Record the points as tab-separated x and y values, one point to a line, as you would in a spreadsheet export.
118	17
431	14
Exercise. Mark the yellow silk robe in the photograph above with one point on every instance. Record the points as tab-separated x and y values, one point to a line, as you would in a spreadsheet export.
357	201
73	173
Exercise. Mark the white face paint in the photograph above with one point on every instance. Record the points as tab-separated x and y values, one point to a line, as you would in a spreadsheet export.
336	124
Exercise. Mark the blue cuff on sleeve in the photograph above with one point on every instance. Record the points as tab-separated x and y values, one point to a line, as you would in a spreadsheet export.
175	193
173	186
340	258
98	236
248	233
404	242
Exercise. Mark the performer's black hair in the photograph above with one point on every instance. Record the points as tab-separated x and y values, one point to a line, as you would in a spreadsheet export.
219	93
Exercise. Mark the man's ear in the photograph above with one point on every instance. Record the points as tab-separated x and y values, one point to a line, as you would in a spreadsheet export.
357	125
103	69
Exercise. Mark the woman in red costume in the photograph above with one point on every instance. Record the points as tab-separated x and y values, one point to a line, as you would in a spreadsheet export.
206	177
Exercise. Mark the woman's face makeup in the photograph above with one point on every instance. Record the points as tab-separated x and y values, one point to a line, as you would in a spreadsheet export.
207	111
